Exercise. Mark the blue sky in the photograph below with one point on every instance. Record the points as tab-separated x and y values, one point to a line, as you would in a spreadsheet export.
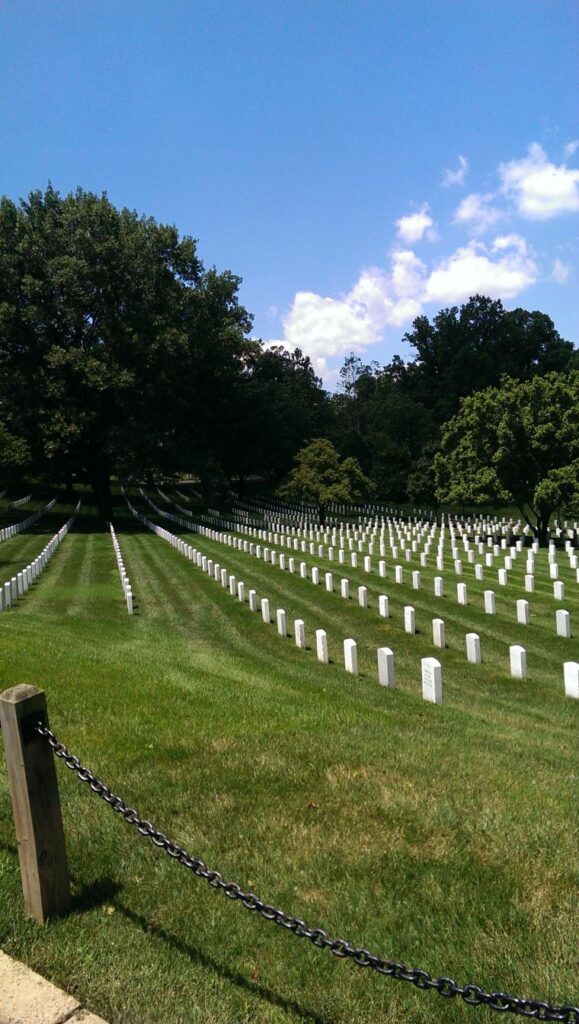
355	162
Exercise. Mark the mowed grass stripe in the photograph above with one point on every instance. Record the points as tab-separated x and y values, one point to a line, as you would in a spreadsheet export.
545	658
437	835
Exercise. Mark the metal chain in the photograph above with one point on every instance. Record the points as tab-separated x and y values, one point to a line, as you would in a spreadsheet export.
471	994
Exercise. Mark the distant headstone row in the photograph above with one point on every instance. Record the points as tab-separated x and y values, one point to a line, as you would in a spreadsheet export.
125	583
18	586
16	528
16	504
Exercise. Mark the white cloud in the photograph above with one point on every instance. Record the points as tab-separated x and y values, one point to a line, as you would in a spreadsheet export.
472	269
477	213
571	148
539	188
407	274
456	177
324	327
413	227
561	272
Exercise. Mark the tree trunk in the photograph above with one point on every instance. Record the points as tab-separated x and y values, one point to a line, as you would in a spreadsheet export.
541	530
100	478
69	488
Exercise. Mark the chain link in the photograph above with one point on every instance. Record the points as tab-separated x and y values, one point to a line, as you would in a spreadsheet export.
472	995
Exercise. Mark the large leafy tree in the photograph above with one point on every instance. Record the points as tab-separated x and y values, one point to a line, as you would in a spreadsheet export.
320	476
277	405
470	348
516	443
111	335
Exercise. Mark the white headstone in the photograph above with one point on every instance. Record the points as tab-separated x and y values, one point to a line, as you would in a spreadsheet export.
351	657
416	580
431	680
409	619
265	609
382	569
345	589
490	603
518	661
438	637
399	574
559	591
438	586
383	607
363	597
329	582
322	645
478	572
461	593
571	679
563	620
252	596
315	575
529	583
523	612
300	633
386	676
473	648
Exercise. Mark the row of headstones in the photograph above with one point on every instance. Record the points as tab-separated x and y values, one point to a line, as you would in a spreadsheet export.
187	497
366	514
562	618
125	582
470	525
432	691
187	524
431	667
489	598
398	544
19	584
16	528
517	653
16	504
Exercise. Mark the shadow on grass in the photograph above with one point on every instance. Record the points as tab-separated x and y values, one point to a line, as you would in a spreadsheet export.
199	957
93	894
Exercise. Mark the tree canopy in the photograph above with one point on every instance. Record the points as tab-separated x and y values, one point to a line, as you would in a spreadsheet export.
110	329
517	443
320	476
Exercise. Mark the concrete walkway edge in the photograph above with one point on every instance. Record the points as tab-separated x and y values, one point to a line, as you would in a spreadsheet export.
26	998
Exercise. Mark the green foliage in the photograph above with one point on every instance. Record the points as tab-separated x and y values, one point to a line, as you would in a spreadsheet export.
517	443
277	405
320	476
14	453
110	330
390	418
311	787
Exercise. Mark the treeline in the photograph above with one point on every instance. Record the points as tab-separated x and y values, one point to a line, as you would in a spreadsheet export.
391	418
121	354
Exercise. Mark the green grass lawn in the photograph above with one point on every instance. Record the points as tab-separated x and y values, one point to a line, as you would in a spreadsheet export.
443	836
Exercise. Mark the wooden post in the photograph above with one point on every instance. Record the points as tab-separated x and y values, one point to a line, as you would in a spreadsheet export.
36	804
